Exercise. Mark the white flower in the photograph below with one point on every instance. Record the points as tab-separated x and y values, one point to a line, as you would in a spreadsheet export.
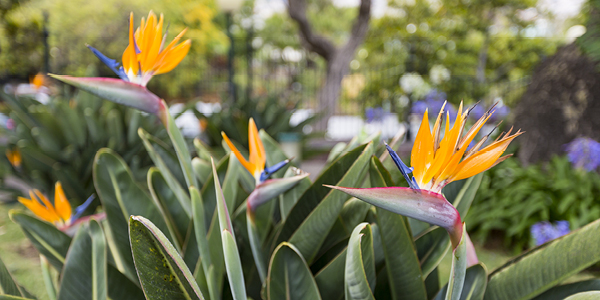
439	74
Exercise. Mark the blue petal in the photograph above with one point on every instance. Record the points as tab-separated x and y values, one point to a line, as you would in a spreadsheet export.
81	208
111	63
268	171
402	167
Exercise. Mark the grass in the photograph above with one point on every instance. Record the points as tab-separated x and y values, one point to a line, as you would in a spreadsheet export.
20	257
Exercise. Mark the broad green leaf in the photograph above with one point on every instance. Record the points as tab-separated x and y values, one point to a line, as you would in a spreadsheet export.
169	178
9	297
201	169
48	280
181	148
84	275
202	242
7	283
534	272
401	260
458	270
289	276
475	283
432	246
359	278
233	264
165	197
311	234
161	270
330	279
466	194
46	238
256	246
315	194
562	291
592	295
288	199
122	197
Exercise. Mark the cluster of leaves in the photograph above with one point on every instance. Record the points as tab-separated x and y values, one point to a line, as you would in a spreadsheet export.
512	198
271	113
162	241
58	140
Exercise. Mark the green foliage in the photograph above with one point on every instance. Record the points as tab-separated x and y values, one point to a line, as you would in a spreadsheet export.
327	246
58	140
512	198
271	114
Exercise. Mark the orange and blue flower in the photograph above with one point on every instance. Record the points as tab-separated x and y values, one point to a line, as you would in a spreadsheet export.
146	55
58	213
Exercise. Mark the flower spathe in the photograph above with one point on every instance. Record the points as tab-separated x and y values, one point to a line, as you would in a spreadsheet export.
257	156
440	159
146	55
60	213
437	161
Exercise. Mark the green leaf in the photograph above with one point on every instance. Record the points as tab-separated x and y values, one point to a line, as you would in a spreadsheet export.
466	194
315	194
330	279
289	276
432	246
311	234
165	198
536	271
84	275
256	246
9	297
458	270
122	197
288	199
169	178
201	169
181	149
592	295
202	242
562	291
359	278
162	272
233	264
46	238
475	283
7	283
48	281
401	260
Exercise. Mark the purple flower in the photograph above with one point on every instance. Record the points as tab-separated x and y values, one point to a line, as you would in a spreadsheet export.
584	153
500	113
477	112
374	114
418	108
435	96
369	114
544	231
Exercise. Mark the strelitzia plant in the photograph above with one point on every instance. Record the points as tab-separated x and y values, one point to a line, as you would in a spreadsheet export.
145	56
265	188
438	159
14	157
61	214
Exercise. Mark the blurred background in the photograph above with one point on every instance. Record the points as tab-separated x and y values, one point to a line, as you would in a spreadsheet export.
321	75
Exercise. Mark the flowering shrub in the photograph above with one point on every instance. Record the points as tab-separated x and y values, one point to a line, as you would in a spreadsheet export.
584	153
544	231
268	231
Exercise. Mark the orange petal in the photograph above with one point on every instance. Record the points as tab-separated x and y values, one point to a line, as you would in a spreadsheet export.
238	154
130	62
483	159
45	201
174	57
61	204
257	150
422	151
39	210
152	52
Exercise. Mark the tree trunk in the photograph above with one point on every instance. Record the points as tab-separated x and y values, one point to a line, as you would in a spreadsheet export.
338	58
